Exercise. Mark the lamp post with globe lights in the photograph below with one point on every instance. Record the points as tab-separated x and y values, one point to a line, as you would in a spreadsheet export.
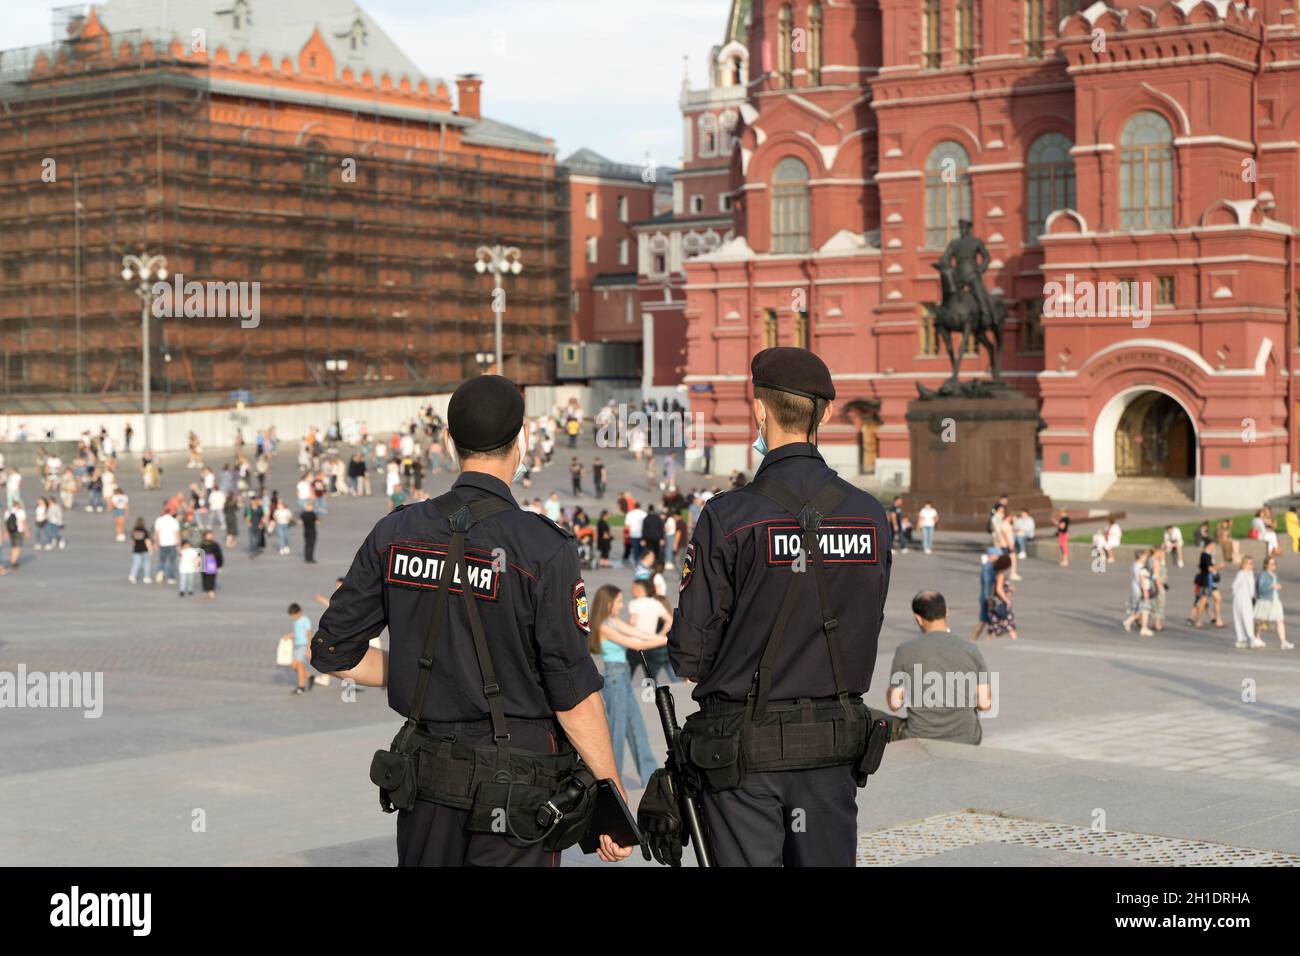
141	271
499	260
336	367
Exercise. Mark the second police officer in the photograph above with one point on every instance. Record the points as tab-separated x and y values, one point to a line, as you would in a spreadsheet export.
488	627
780	605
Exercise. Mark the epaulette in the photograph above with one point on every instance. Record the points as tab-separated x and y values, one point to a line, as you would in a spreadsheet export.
552	525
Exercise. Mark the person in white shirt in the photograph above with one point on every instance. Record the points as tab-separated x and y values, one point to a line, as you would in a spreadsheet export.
191	563
1113	537
121	505
1243	604
1099	544
926	519
166	534
648	614
1023	529
1173	543
53	468
670	540
392	477
217	510
634	522
303	491
283	518
13	487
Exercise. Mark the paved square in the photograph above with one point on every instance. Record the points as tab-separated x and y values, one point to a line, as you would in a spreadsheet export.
202	755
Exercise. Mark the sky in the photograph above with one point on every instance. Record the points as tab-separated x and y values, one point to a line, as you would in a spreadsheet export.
605	74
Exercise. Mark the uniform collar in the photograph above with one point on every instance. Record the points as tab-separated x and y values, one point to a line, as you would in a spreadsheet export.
485	482
797	449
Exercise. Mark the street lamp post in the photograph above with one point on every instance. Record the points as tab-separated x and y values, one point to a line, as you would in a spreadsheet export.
337	367
141	271
499	260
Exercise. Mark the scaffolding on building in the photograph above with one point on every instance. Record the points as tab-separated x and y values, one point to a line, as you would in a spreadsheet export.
118	145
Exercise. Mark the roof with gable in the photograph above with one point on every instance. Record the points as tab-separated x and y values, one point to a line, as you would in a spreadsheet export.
279	28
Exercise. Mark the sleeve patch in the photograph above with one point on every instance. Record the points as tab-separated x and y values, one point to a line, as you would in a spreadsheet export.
688	567
581	612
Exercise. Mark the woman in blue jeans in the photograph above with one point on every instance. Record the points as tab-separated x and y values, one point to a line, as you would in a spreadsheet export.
611	638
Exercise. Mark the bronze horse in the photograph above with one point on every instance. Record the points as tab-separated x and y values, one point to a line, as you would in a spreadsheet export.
960	312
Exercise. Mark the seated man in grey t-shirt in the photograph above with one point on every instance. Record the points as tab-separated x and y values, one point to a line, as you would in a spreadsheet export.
941	677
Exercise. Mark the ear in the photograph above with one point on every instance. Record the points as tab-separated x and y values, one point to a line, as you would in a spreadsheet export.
826	413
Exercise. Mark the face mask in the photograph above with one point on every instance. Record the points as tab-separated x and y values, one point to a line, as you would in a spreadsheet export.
760	445
522	468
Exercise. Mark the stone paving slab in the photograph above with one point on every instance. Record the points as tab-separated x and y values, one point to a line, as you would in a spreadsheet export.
1152	731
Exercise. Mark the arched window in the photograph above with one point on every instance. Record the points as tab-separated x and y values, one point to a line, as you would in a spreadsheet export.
947	192
931	39
815	43
726	131
790	206
1146	173
784	44
708	134
1049	179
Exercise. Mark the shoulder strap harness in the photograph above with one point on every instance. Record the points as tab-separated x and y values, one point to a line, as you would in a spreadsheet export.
809	515
462	517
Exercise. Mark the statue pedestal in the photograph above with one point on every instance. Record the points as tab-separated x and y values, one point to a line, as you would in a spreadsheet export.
967	451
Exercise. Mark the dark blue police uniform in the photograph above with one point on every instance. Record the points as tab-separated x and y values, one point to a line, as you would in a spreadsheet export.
524	577
734	579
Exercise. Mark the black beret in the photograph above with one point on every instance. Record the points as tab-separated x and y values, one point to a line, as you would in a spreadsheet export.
793	370
485	412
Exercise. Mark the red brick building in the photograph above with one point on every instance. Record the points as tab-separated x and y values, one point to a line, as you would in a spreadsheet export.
700	219
284	144
605	200
1145	151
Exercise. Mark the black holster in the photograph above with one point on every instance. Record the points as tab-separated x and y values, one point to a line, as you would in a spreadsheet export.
393	771
724	742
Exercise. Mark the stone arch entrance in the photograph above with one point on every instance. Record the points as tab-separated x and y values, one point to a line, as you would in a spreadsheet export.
1155	439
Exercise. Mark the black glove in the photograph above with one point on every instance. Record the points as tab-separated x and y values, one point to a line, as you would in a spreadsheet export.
660	820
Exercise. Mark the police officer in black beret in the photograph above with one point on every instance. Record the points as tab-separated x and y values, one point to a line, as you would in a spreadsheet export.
781	601
488	628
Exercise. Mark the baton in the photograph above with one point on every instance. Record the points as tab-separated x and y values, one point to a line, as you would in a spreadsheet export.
688	804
